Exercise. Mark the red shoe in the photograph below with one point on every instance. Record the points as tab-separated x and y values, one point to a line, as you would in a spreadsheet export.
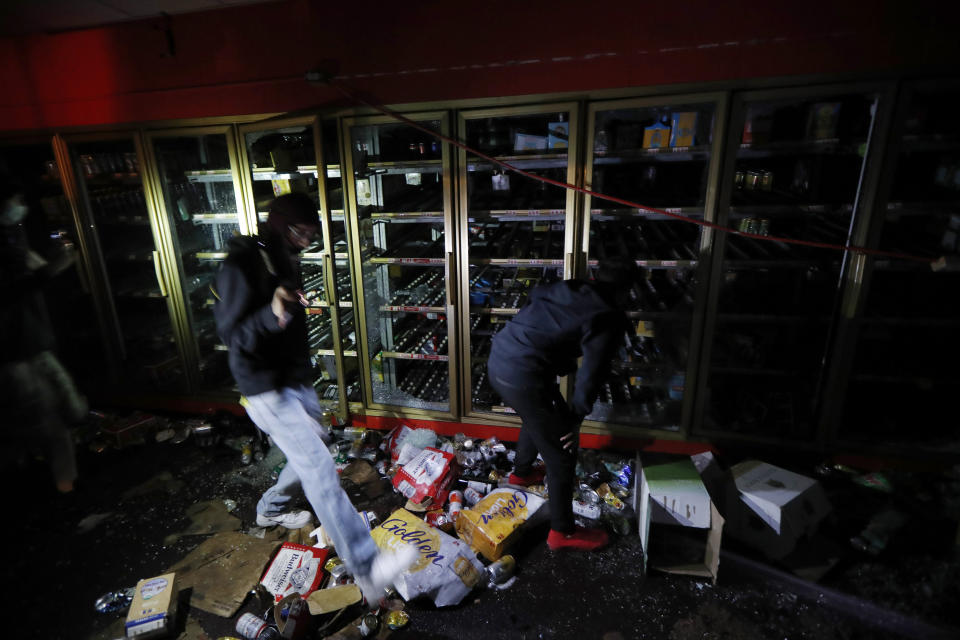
535	476
580	540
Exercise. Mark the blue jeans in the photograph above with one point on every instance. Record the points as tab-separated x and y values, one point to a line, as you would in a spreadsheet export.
290	417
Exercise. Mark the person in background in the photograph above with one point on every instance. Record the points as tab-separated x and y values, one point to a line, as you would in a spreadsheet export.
38	398
262	322
560	323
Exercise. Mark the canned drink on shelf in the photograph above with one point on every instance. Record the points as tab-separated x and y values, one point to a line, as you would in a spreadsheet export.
739	178
764	228
753	180
766	180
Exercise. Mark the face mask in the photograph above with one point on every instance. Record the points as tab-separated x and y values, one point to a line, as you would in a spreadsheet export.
13	213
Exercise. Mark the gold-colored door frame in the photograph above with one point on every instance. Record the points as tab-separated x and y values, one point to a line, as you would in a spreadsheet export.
353	232
164	279
573	109
331	298
736	119
170	253
720	101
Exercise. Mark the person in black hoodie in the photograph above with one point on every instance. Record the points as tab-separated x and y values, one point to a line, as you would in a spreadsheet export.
261	320
38	398
561	322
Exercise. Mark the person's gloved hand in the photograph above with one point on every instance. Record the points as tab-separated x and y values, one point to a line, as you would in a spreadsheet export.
281	298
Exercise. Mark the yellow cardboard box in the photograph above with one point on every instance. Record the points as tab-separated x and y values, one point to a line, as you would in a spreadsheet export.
491	526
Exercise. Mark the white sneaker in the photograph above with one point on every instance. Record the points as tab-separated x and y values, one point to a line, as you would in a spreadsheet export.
386	568
290	520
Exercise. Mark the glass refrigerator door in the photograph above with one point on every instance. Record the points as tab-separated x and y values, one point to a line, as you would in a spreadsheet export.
50	230
401	202
198	192
517	233
904	376
283	160
796	174
340	248
111	184
656	155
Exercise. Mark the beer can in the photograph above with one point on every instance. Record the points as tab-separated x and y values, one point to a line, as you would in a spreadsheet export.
479	487
764	229
739	178
472	496
250	625
766	181
423	148
588	495
437	518
501	570
397	619
456	496
369	624
753	180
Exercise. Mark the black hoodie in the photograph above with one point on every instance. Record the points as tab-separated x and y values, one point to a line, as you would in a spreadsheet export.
263	355
560	323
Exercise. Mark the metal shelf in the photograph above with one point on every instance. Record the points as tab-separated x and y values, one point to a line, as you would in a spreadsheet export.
216	218
414	356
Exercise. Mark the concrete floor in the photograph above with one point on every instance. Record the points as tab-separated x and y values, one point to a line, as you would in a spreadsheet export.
62	560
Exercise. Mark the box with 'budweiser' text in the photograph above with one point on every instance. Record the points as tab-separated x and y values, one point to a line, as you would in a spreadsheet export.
427	478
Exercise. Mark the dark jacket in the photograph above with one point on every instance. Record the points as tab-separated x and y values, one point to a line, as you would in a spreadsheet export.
560	323
262	355
24	321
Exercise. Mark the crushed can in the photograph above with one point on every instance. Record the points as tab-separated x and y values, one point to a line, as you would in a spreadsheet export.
501	570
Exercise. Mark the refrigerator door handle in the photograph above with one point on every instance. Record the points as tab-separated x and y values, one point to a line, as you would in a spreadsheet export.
159	271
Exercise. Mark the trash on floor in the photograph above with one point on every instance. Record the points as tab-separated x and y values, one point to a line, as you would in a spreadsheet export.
222	570
673	494
296	569
775	509
492	525
448	569
154	607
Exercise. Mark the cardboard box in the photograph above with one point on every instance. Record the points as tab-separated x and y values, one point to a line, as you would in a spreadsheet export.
527	142
492	525
153	610
674	495
296	568
558	135
683	128
427	477
822	121
448	569
774	508
656	136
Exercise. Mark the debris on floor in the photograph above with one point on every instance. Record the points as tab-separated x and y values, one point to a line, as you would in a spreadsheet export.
481	539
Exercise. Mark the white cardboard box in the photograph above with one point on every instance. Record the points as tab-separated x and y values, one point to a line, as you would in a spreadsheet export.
788	505
154	607
674	494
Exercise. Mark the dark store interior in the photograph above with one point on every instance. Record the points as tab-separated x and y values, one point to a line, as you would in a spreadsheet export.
773	450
